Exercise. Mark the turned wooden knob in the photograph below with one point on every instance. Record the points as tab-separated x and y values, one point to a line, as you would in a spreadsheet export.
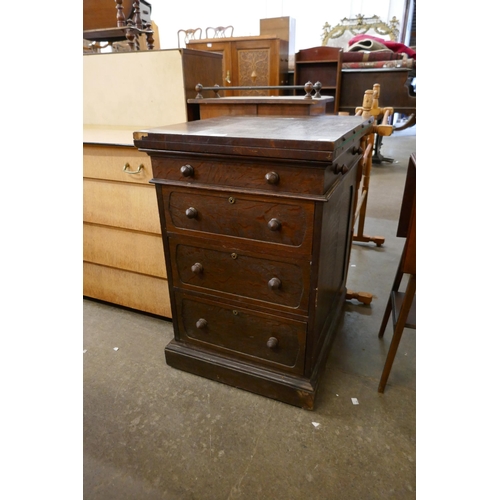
272	342
201	323
274	225
272	178
197	268
191	213
187	171
274	283
356	150
340	169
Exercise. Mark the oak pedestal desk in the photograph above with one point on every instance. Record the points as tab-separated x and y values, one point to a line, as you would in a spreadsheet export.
256	216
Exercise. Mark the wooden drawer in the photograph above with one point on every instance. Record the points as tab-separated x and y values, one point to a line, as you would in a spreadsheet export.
233	272
242	333
137	291
273	176
108	162
120	204
239	215
124	249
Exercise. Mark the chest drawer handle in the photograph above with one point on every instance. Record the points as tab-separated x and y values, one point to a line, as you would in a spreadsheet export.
274	225
272	343
187	171
337	169
272	178
274	283
197	268
126	168
201	324
191	213
356	150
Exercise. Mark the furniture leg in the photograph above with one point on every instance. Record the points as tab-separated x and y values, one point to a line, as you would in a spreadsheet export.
362	203
398	330
388	309
377	156
363	297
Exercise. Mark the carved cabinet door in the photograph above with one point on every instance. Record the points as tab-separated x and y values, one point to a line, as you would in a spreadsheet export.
257	63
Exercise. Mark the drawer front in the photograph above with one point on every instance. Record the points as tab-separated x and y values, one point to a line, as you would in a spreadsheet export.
123	249
125	288
124	164
129	206
242	216
233	272
273	177
241	333
347	159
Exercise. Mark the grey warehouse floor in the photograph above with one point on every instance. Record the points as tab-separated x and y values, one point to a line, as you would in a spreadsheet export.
153	432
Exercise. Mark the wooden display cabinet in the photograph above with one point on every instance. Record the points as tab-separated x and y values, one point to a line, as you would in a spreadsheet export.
249	61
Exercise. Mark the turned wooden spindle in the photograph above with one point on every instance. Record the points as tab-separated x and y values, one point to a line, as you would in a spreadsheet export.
120	16
149	38
137	15
199	89
308	87
130	35
317	88
365	109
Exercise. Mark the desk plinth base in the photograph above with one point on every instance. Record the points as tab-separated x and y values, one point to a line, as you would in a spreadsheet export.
287	388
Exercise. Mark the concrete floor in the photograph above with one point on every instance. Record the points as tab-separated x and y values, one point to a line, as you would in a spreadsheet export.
153	432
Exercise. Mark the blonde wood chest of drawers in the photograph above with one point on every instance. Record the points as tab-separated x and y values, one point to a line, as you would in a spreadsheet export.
256	216
123	260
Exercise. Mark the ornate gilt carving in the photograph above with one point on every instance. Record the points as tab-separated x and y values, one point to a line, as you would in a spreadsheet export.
360	25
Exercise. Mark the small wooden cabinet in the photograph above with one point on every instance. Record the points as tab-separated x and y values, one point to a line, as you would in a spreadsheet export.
323	64
249	61
256	216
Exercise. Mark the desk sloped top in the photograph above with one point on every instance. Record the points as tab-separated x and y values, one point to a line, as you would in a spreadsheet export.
313	138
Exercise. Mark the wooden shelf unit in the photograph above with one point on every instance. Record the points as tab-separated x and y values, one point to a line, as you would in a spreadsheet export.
323	64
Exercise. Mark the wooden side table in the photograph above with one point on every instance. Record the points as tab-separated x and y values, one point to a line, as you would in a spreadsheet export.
402	305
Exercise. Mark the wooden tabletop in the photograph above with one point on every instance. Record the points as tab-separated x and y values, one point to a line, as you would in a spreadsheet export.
305	137
109	135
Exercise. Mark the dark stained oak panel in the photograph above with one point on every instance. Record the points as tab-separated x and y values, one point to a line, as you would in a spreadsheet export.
243	333
263	278
242	216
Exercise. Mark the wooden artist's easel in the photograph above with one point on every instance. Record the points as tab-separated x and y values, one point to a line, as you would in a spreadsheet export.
370	108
